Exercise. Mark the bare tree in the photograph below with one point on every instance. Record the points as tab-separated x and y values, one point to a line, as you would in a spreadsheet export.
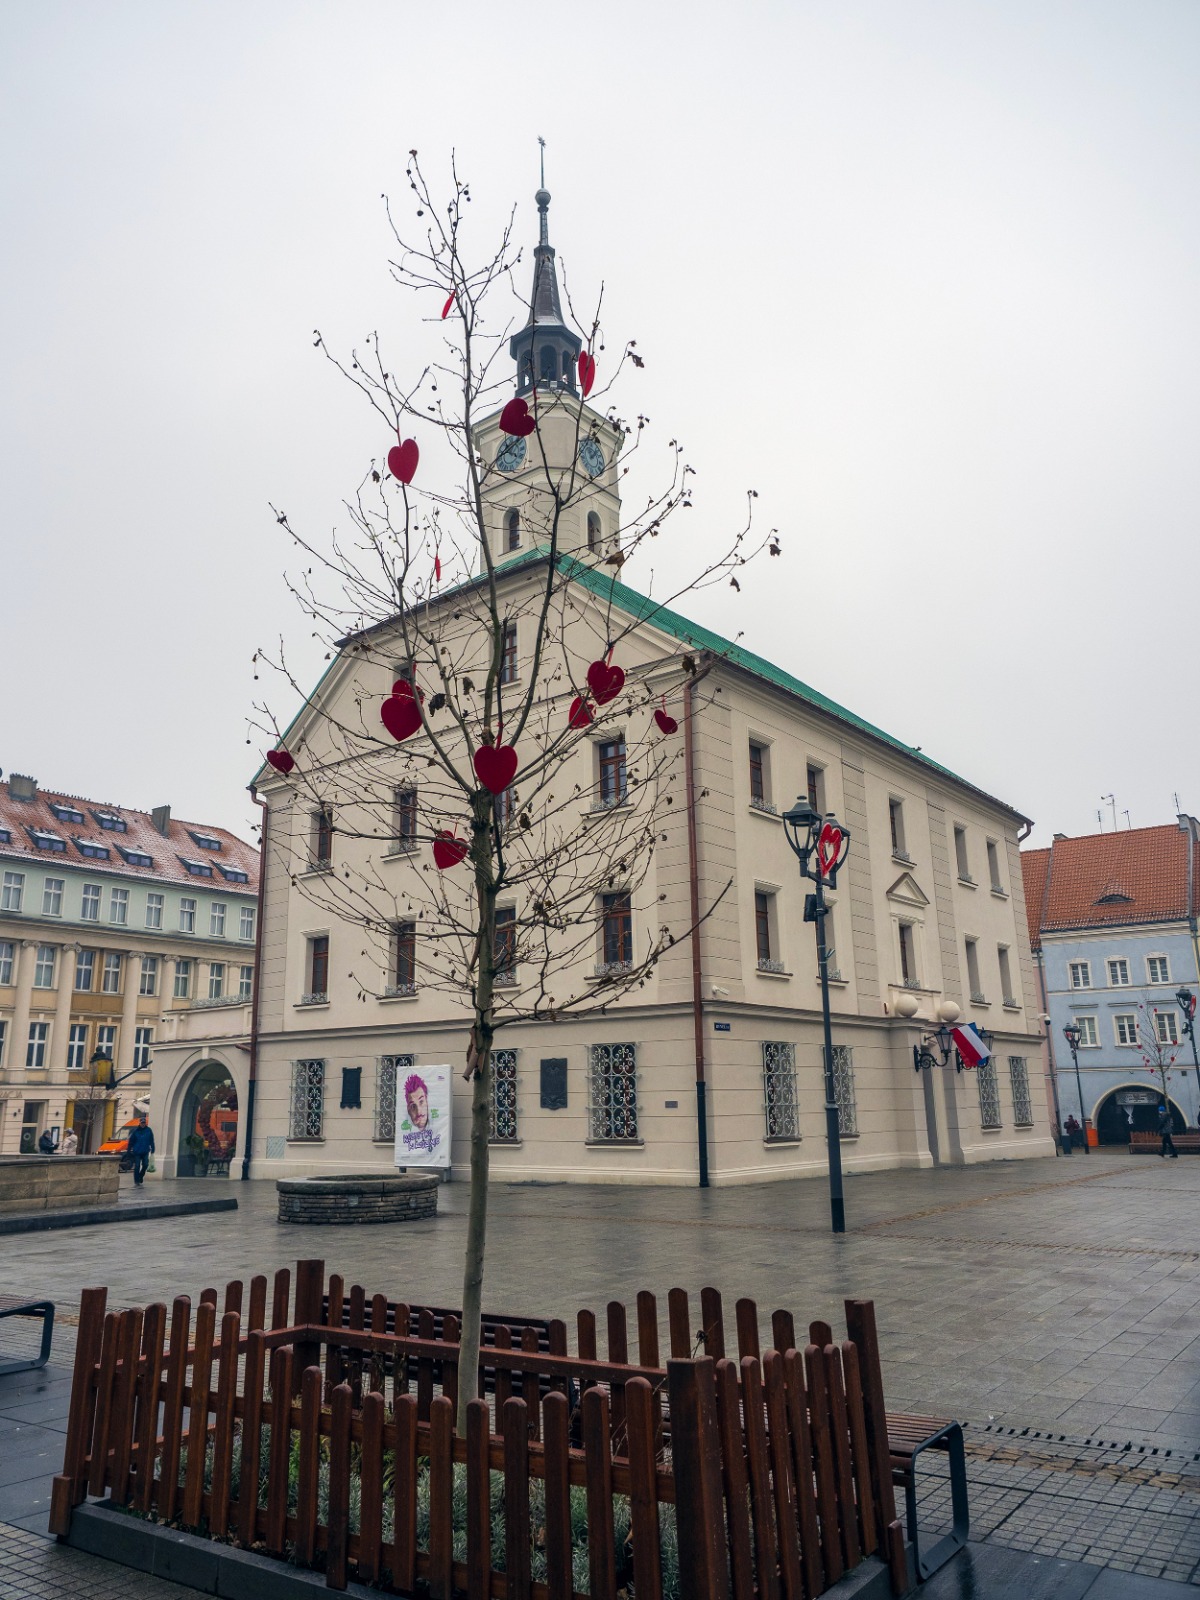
469	687
1159	1051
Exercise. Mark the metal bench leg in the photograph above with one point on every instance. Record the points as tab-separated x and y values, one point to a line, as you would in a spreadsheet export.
951	1440
47	1334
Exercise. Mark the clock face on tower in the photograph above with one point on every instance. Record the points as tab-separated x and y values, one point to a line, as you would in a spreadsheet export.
511	454
591	458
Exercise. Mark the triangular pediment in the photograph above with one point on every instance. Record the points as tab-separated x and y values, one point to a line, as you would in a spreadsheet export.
907	890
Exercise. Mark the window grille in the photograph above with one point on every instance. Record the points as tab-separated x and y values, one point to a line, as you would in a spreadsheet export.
1022	1109
843	1088
307	1120
779	1090
502	1116
989	1094
385	1094
612	1094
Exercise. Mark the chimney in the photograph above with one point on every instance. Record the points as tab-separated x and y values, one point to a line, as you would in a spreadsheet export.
1060	836
21	788
161	818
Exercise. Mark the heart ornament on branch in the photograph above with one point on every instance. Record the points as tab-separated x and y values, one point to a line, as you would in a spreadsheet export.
580	714
495	766
666	723
587	372
446	307
605	682
448	849
517	420
401	714
829	847
402	460
281	760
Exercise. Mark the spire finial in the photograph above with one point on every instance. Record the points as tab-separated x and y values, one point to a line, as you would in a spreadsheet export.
542	158
543	197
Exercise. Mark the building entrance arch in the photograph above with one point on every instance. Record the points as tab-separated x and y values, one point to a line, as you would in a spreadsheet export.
208	1122
1133	1108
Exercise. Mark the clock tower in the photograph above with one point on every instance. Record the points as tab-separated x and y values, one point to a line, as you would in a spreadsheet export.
569	465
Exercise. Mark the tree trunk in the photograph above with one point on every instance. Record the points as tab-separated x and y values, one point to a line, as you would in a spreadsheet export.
472	1295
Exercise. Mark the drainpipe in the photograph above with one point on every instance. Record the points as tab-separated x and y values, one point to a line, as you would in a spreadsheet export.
248	1137
697	971
1041	972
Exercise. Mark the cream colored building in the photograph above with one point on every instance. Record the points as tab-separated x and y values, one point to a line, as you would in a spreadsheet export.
929	908
113	923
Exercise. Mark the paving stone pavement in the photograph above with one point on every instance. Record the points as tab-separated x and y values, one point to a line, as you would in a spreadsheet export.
35	1568
1054	1299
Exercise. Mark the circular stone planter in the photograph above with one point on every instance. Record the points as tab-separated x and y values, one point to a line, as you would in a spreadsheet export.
358	1197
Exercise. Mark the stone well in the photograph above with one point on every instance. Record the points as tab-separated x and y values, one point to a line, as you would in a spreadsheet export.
358	1197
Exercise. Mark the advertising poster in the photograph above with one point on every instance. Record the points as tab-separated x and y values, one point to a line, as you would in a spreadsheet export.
423	1096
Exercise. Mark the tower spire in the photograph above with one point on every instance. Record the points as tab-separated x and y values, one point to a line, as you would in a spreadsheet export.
545	347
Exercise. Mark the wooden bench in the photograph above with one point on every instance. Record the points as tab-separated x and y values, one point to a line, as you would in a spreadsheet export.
14	1306
908	1437
1150	1144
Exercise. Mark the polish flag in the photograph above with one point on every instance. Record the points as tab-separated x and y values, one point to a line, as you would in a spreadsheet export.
969	1045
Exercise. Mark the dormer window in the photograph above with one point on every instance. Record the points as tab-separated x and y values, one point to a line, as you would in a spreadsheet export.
45	840
137	858
110	821
5	836
205	840
94	852
66	813
512	530
198	869
234	875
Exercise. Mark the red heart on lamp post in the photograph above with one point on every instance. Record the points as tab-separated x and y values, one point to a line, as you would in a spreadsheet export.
587	372
402	460
281	761
605	682
401	715
515	419
829	844
580	714
666	723
495	766
448	850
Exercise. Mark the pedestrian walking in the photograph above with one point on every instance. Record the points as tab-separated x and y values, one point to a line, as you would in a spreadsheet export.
46	1143
1164	1128
141	1147
70	1143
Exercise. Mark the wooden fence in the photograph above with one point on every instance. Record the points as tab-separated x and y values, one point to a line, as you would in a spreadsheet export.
321	1428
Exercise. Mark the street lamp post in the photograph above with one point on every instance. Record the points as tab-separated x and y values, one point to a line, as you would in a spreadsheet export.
1187	1004
821	845
1073	1036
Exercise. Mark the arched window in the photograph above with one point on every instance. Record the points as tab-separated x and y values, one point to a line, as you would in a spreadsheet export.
593	530
549	363
568	368
512	530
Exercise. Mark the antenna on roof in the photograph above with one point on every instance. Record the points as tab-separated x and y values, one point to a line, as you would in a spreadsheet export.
1128	824
1100	820
1112	801
1177	802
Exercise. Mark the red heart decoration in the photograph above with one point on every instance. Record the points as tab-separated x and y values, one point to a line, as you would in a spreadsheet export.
402	460
605	682
495	766
281	761
446	307
580	714
666	723
587	372
448	850
437	569
516	420
402	689
829	843
401	715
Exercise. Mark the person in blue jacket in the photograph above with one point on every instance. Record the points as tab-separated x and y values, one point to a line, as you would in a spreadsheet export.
141	1148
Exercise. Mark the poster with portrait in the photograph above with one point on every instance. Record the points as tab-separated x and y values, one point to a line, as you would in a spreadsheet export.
423	1099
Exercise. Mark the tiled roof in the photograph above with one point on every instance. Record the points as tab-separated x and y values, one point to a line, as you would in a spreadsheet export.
22	819
1110	879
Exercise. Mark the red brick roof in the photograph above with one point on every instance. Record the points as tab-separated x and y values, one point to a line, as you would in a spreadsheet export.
22	818
1108	879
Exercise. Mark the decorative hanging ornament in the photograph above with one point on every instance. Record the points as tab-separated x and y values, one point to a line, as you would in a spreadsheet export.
829	846
446	307
666	722
495	766
605	681
401	714
437	568
448	849
517	420
281	761
402	460
580	714
587	372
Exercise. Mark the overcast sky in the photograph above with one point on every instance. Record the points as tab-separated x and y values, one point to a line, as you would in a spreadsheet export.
925	275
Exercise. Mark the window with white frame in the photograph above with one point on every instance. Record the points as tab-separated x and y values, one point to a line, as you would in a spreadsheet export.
909	976
993	861
1089	1037
502	1109
154	909
1118	973
760	776
306	1118
1080	973
616	932
404	959
35	1050
183	979
508	654
85	971
962	860
90	909
612	1094
8	955
1166	1027
216	921
974	982
77	1047
989	1093
390	1068
505	948
245	982
12	891
1125	1028
143	1038
610	754
1018	1073
1007	996
118	906
814	787
896	823
216	980
1158	969
781	1109
43	969
766	938
843	1089
187	915
149	982
247	931
52	897
106	1039
111	981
